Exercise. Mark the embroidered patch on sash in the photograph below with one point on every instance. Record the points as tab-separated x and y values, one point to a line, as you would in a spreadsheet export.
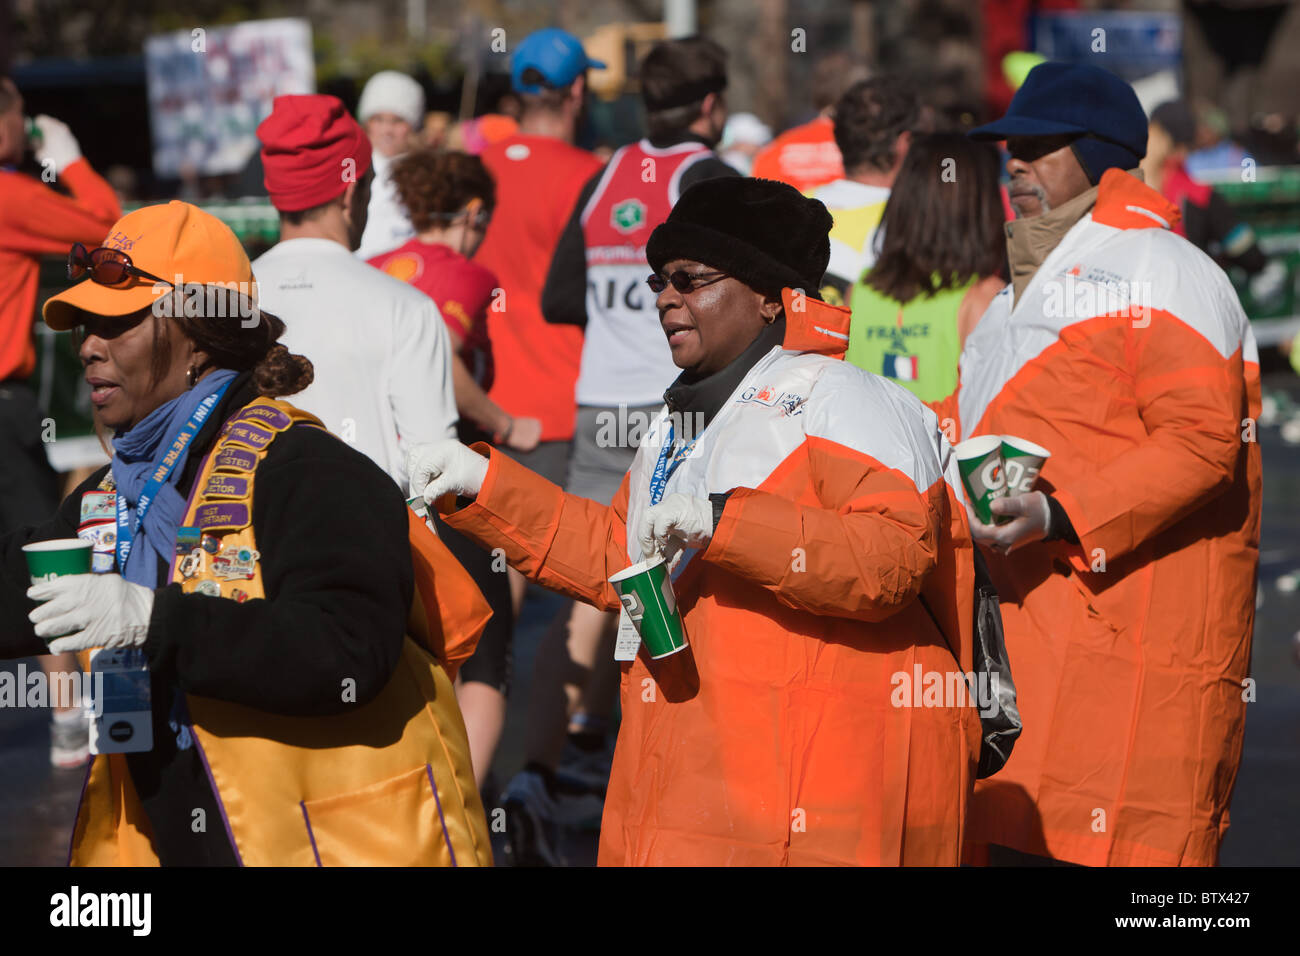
270	417
235	459
223	515
248	435
226	486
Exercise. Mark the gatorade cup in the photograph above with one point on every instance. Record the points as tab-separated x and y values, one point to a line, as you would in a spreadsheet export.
1022	461
980	462
47	560
647	596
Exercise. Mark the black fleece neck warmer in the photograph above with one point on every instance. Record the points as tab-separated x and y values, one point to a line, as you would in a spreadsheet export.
705	395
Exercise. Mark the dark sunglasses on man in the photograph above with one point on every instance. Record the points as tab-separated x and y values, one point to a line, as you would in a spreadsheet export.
110	267
683	281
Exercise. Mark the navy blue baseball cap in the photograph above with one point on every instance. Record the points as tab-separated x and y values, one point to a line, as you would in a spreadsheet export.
556	54
1059	99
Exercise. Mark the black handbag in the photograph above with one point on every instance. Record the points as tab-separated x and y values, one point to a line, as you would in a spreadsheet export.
999	715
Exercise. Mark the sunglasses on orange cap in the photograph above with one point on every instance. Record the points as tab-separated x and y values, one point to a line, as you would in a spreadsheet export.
110	267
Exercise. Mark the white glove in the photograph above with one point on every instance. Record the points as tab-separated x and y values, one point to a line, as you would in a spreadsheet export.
102	610
676	522
443	467
58	145
1032	516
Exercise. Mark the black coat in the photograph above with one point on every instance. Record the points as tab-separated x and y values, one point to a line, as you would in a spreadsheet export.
331	527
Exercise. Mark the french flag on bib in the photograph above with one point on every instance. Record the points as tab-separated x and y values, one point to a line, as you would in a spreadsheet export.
901	367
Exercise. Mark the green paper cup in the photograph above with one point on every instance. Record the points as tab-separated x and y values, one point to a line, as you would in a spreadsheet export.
47	560
1022	461
647	596
980	462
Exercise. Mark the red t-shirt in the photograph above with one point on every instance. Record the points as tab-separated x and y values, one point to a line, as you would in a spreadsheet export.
538	181
805	157
463	291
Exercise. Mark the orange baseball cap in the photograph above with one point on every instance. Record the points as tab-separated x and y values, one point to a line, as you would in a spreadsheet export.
178	242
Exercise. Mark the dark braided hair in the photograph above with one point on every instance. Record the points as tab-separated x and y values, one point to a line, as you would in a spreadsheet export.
234	333
240	337
250	343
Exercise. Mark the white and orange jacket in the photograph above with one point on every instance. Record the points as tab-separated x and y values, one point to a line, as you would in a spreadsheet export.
1129	358
782	735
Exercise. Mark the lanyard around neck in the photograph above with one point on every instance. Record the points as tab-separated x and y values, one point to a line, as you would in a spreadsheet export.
162	469
667	464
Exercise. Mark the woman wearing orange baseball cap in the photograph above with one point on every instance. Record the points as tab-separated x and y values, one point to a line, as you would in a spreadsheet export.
282	646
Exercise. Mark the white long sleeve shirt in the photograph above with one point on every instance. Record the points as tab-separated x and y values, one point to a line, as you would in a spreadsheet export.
387	222
379	346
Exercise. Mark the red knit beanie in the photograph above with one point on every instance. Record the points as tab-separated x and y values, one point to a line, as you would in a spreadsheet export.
311	149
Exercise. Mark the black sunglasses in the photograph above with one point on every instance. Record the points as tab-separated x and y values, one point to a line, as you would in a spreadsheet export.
683	281
110	267
479	215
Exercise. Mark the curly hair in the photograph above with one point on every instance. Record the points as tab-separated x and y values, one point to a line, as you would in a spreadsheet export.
434	187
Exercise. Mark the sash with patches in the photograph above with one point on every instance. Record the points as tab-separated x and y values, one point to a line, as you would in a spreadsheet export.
218	556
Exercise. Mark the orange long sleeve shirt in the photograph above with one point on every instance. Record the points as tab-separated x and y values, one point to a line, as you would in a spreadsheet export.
35	221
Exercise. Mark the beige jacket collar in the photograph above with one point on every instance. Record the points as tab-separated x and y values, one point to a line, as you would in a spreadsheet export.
1030	241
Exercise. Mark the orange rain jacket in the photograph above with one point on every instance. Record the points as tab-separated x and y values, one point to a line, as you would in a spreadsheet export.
36	221
1129	358
789	732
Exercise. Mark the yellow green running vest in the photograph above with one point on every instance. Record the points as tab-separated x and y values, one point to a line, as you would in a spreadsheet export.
916	344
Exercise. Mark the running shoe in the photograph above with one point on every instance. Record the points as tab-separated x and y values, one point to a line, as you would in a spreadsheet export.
69	739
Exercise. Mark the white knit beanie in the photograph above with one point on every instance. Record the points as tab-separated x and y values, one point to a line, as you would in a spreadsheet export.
392	92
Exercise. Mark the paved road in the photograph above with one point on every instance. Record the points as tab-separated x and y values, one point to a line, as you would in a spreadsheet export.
37	803
1265	828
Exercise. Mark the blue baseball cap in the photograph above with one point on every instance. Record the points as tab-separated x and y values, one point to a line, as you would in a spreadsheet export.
556	54
1059	99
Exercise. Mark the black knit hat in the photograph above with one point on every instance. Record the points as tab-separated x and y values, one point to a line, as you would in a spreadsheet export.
764	233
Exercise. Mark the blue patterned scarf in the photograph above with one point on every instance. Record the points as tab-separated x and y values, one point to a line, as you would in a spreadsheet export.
138	451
